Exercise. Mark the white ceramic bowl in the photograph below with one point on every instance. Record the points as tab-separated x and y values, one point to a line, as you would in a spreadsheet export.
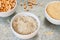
8	13
29	35
50	19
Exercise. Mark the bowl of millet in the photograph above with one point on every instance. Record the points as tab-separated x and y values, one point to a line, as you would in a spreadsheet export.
25	25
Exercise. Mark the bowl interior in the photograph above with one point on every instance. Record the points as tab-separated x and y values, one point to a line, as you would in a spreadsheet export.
27	14
47	12
11	9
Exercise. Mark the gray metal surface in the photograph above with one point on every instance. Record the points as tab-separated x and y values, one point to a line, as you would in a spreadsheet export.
47	30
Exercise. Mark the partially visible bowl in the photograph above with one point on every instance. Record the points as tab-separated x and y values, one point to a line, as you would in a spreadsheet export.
49	18
28	36
8	13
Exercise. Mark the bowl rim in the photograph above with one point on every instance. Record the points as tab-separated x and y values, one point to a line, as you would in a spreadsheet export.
38	21
11	9
46	11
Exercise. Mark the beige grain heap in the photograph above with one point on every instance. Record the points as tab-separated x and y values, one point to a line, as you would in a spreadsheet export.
53	10
24	24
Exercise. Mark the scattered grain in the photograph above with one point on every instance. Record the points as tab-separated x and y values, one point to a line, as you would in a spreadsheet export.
48	33
30	4
41	4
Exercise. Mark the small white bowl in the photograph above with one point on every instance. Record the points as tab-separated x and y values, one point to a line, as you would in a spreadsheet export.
8	13
50	19
28	36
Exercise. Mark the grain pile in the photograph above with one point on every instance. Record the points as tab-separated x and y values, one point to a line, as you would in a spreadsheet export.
24	24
